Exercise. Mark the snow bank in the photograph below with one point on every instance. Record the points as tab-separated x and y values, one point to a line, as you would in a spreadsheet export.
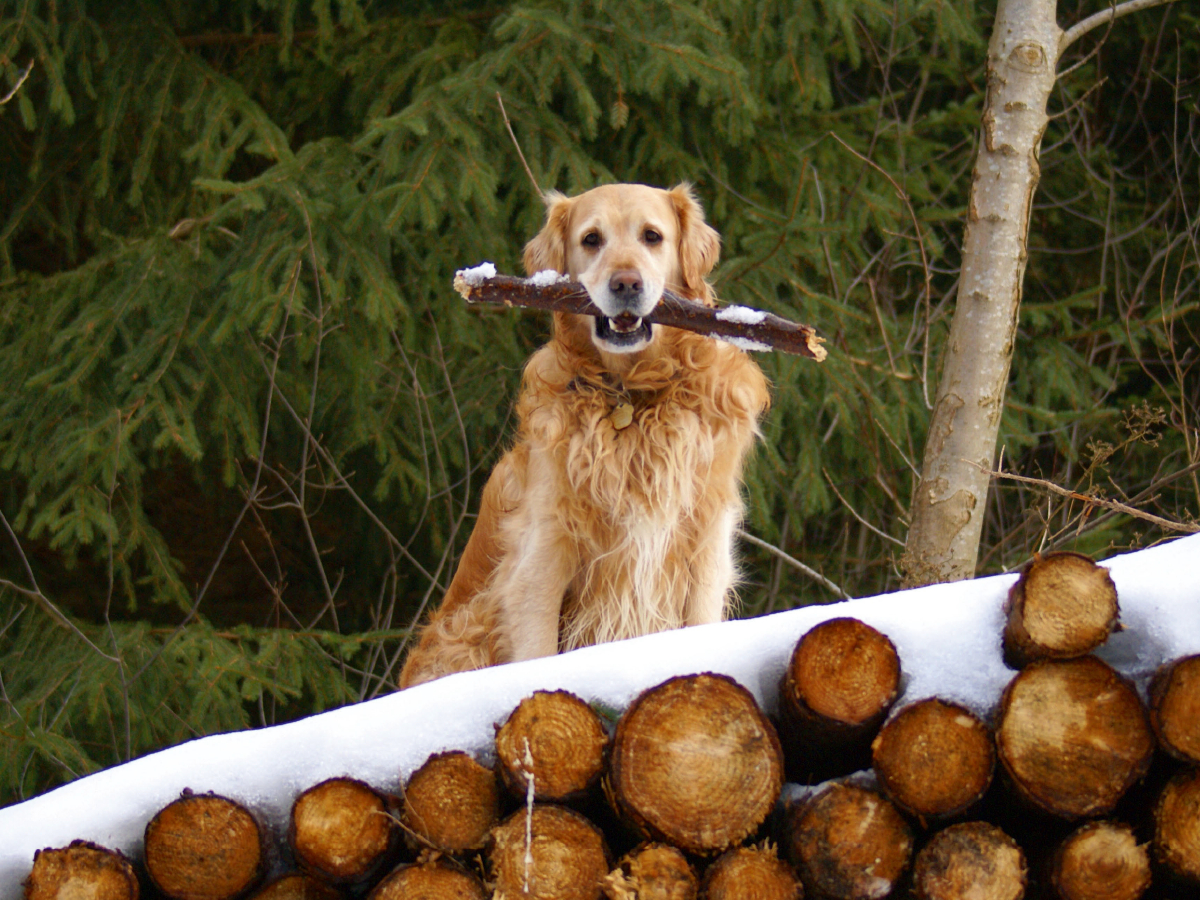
948	637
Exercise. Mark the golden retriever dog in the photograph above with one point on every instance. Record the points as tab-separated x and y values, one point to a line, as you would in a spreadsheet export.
614	514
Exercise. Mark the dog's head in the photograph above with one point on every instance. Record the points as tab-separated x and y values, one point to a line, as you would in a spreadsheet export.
626	243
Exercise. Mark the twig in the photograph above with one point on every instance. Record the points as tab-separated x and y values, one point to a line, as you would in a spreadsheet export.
748	328
20	81
793	562
507	124
1093	500
1079	29
853	512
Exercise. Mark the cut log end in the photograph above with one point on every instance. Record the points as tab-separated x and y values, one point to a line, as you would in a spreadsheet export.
652	871
438	879
1063	606
1073	736
1175	708
451	803
203	847
751	873
1177	826
297	886
1101	861
849	842
696	763
81	871
934	759
557	740
341	831
547	853
970	859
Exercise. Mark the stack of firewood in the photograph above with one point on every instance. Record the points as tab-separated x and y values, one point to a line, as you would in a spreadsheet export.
683	795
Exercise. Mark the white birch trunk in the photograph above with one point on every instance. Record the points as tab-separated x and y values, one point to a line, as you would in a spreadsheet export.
948	508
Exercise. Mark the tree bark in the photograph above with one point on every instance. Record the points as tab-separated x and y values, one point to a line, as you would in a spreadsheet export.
948	507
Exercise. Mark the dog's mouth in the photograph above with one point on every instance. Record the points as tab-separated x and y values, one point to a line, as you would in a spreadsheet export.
623	333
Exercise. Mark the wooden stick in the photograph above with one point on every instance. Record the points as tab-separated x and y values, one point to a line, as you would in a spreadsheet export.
747	328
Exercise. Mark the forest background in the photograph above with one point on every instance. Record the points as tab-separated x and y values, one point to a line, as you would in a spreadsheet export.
244	419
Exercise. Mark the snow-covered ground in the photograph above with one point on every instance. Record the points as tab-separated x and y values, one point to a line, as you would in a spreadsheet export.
948	637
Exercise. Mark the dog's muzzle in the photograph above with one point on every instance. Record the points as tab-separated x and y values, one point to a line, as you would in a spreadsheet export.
623	328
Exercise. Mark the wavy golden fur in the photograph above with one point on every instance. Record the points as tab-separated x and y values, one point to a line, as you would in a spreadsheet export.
591	530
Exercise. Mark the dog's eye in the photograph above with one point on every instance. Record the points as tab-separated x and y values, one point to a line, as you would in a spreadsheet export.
591	239
651	236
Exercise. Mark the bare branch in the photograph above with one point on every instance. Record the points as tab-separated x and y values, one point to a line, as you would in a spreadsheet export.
16	87
507	124
793	562
1079	29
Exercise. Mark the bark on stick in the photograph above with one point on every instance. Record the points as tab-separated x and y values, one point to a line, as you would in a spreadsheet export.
696	763
1063	605
81	871
451	803
750	873
548	853
739	324
970	859
1175	708
1177	826
341	831
848	843
1073	736
842	679
1101	861
203	847
297	886
556	740
437	879
934	759
652	871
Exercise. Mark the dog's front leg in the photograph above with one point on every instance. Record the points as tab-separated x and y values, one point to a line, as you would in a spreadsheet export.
530	586
713	572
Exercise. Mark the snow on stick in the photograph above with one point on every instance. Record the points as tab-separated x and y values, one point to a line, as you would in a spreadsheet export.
750	329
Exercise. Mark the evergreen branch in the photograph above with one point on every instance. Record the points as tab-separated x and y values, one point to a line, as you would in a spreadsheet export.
20	81
793	562
1095	20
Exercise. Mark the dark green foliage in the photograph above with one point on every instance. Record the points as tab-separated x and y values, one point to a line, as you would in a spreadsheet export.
245	420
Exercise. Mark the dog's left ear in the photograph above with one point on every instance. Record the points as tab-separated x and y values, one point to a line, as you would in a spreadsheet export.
699	243
548	250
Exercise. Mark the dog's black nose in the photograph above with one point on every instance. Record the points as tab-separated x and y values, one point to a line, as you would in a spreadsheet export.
625	283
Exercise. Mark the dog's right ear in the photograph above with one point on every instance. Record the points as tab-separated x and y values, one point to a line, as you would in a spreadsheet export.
549	249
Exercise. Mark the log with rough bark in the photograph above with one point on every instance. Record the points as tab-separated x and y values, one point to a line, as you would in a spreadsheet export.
1177	826
434	879
842	679
652	871
750	873
696	763
848	842
934	759
970	859
1101	861
554	741
1175	708
748	328
203	847
1063	605
341	831
297	886
450	803
1072	736
81	871
547	852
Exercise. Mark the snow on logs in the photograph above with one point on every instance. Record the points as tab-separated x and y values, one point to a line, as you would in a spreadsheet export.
687	790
